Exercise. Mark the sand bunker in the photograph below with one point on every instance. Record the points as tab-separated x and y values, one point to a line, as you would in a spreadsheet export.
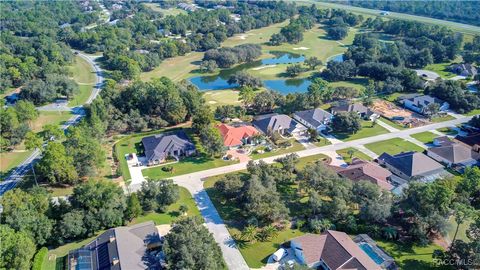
262	67
212	102
301	48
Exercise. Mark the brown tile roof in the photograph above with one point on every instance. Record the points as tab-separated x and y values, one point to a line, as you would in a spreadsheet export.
336	249
365	170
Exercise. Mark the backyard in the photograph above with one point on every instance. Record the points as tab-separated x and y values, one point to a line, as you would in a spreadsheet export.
368	130
393	146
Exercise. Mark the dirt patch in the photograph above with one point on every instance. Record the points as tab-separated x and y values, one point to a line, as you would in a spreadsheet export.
397	114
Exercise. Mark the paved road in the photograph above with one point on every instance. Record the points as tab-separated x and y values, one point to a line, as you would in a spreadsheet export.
194	183
17	175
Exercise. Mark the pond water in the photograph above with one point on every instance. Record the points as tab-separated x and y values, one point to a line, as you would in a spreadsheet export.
284	86
336	58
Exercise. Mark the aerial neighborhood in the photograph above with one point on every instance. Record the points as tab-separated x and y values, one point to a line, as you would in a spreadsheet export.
239	135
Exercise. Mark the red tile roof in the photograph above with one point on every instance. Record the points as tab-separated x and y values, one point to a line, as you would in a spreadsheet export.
232	136
364	170
336	249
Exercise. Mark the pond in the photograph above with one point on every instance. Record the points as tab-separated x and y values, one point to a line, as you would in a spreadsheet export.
284	86
336	58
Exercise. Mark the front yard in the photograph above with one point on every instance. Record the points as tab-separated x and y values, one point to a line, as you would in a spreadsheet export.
356	154
295	146
393	146
425	137
368	130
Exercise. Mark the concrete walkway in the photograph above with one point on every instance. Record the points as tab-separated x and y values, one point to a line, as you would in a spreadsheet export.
366	151
415	141
386	126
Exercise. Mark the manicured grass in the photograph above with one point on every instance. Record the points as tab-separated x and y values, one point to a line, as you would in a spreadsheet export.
221	97
62	251
296	146
448	131
10	160
441	69
393	146
367	131
357	83
425	137
411	257
356	154
56	118
82	71
256	254
256	36
166	12
322	142
302	162
172	212
392	123
473	112
442	118
185	166
84	92
176	68
462	230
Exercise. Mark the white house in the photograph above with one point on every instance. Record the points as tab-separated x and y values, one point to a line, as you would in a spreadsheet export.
420	104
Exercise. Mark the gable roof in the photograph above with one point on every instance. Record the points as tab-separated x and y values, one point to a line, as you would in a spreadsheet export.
233	136
158	146
364	170
353	107
314	117
424	100
336	249
268	123
455	152
411	163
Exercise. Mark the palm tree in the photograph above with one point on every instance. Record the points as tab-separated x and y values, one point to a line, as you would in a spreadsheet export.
249	233
183	209
268	232
462	213
351	151
390	233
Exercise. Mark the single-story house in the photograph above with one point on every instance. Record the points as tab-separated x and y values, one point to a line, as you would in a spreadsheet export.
411	165
169	144
331	250
237	136
366	170
442	141
317	119
453	154
280	123
464	69
470	140
420	103
132	248
359	108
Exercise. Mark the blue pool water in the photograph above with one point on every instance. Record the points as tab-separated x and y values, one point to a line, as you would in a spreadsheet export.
371	253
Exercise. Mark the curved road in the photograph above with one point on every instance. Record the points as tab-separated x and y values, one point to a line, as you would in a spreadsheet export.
17	175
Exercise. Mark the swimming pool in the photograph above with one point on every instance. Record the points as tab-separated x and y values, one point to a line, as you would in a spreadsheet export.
371	253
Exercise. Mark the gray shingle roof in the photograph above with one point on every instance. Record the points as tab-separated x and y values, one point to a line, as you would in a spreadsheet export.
354	107
425	100
314	117
158	146
273	122
411	163
455	153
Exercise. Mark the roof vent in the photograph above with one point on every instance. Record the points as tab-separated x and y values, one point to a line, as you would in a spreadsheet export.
112	238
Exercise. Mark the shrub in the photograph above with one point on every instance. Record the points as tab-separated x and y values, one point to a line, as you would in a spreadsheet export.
39	258
167	168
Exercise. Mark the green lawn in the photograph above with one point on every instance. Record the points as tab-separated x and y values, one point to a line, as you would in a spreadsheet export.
166	12
84	92
462	230
367	131
448	131
474	112
411	257
296	146
357	83
56	118
172	212
84	75
441	69
356	154
392	123
221	97
425	137
10	160
393	146
176	68
442	118
185	166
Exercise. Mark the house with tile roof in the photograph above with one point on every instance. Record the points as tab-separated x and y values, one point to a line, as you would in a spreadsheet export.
174	144
237	136
412	165
317	119
331	250
132	248
359	170
357	107
269	124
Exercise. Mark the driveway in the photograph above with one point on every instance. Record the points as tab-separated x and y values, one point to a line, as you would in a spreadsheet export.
427	74
336	159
